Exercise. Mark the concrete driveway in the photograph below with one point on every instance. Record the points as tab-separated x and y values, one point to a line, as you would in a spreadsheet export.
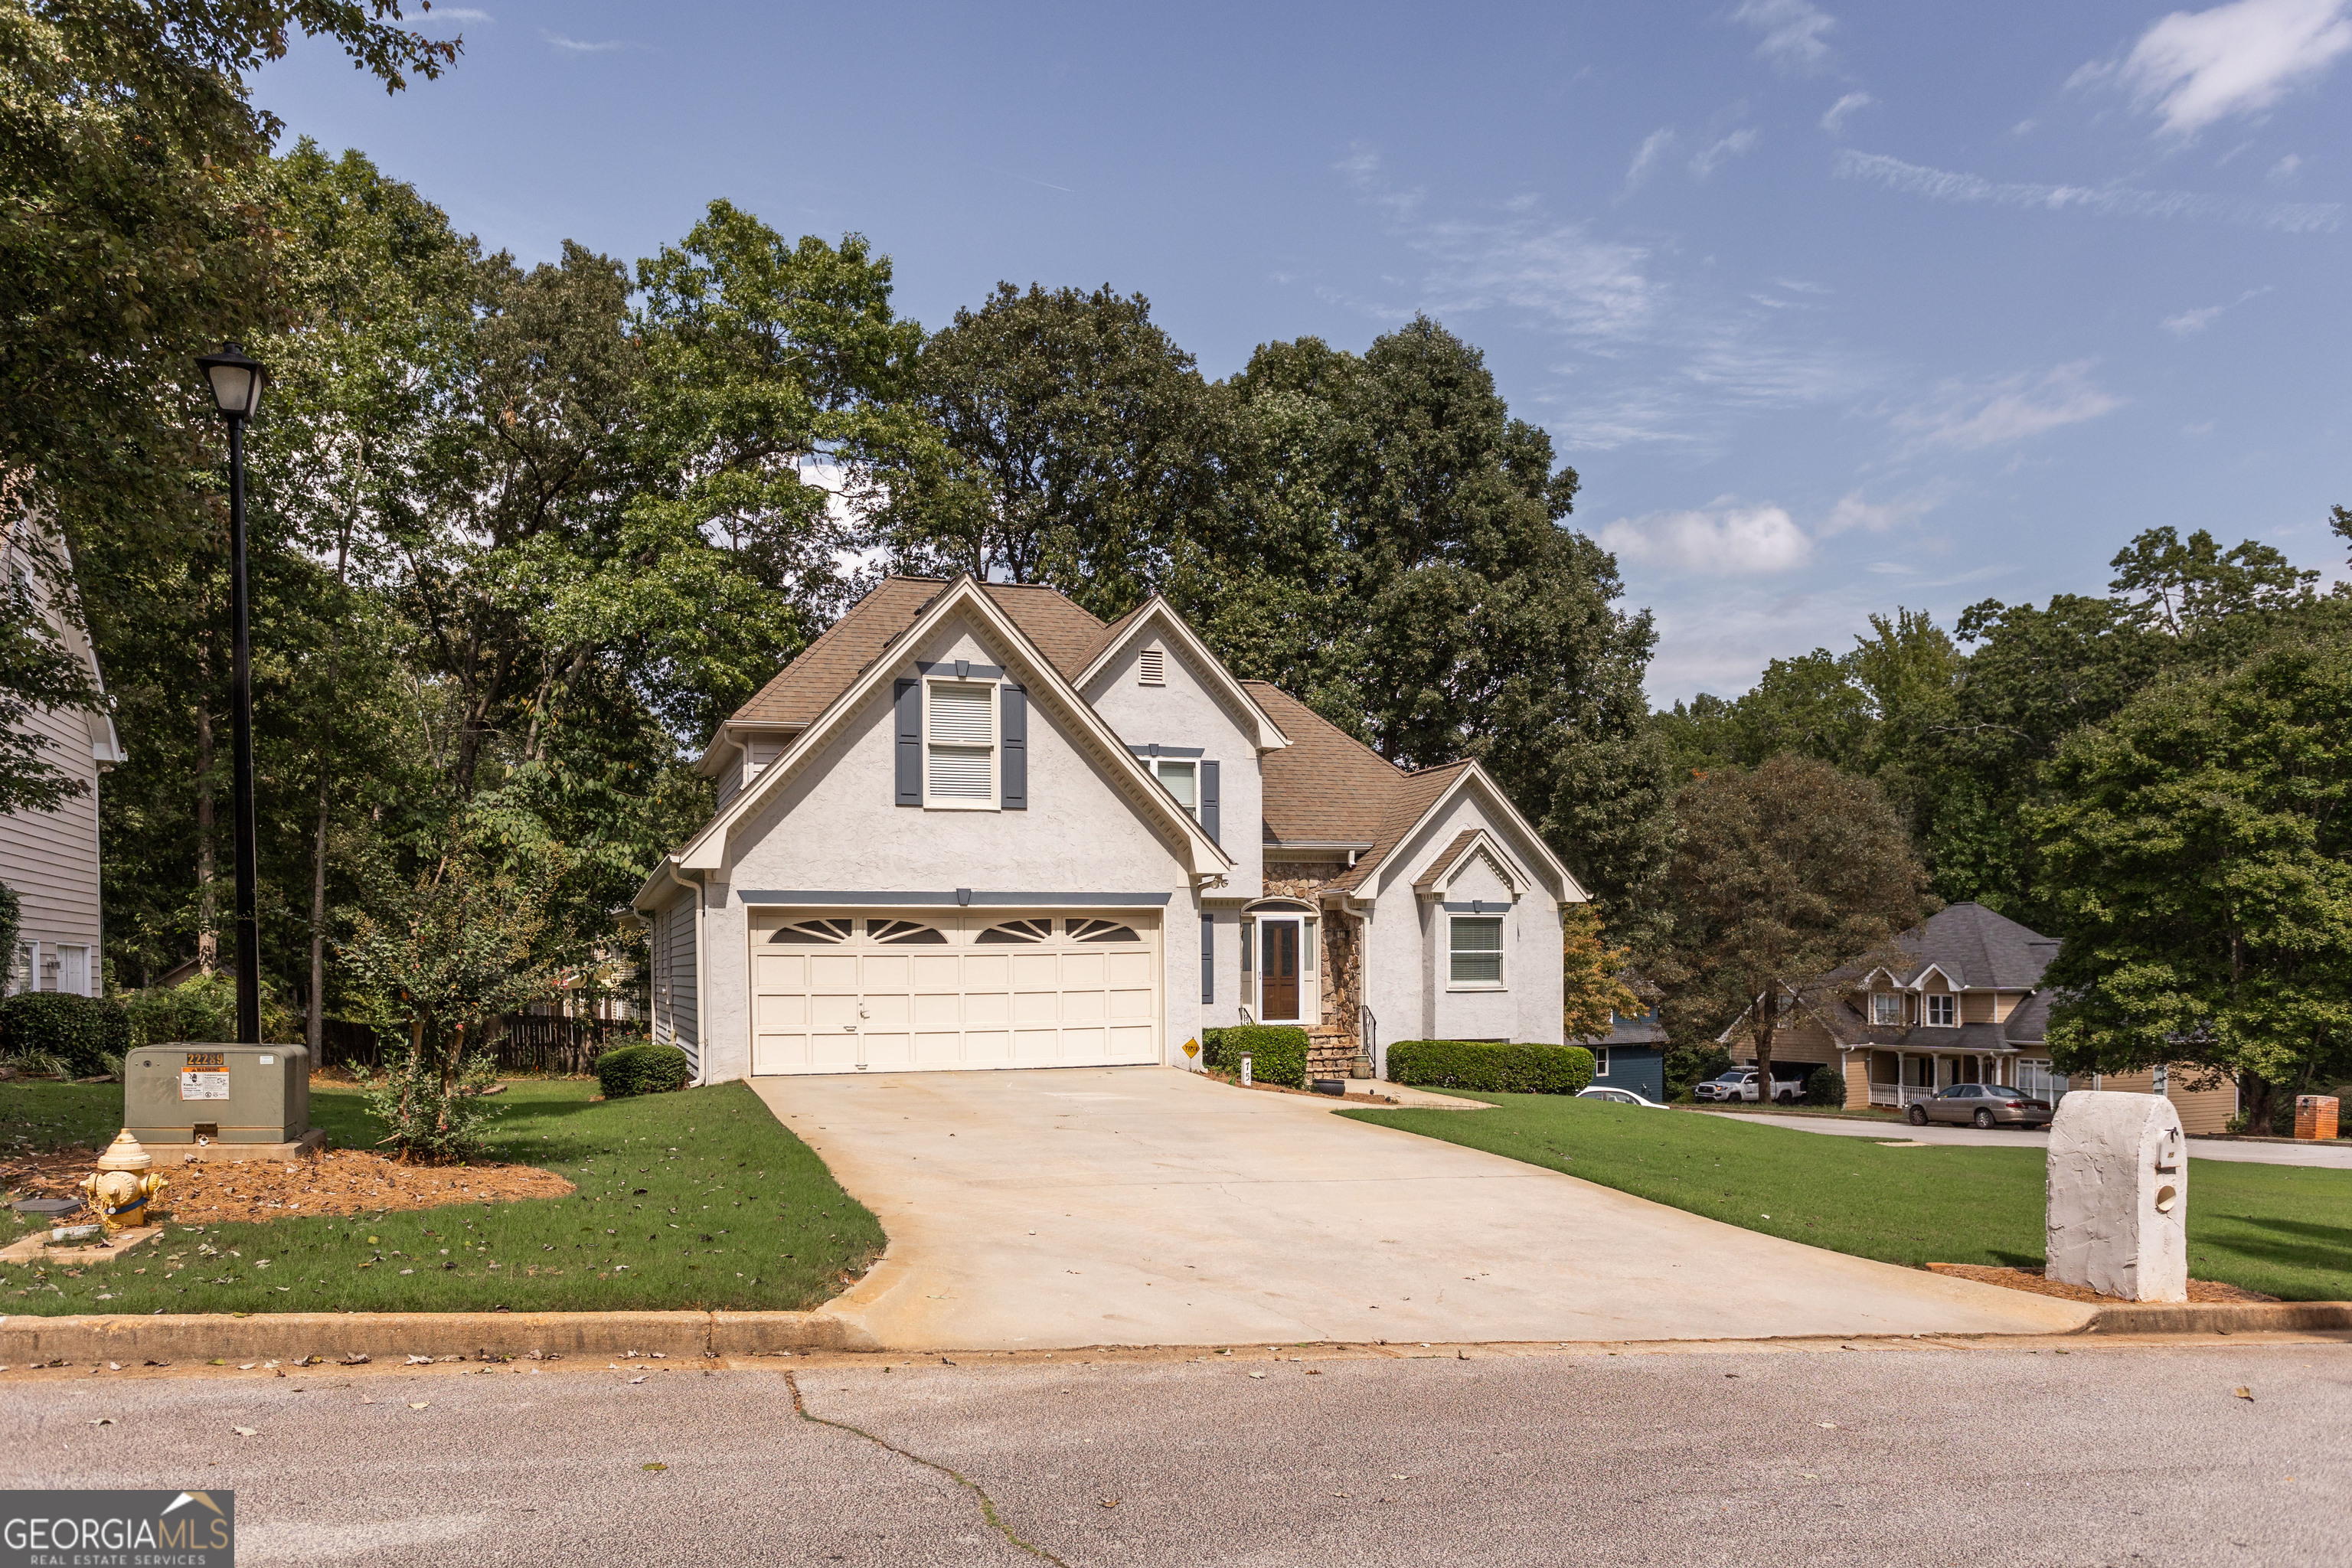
2335	1156
1150	1206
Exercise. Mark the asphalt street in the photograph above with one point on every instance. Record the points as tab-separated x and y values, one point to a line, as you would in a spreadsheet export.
1911	1452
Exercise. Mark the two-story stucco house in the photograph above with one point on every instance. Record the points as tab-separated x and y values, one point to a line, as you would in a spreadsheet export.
49	858
972	827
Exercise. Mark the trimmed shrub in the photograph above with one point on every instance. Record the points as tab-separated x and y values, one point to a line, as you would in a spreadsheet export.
1277	1052
80	1031
642	1070
1825	1087
1487	1065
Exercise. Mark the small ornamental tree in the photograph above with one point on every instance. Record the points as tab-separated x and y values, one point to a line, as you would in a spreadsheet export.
2199	847
1783	875
437	961
1593	988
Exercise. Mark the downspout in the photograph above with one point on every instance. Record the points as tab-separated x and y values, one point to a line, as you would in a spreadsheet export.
701	971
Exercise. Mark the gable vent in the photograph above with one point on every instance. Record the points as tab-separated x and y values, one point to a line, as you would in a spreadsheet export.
1152	667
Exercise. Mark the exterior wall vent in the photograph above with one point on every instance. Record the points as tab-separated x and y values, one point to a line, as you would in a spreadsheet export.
1152	667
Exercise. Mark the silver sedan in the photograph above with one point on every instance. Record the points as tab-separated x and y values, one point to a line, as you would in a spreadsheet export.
1983	1105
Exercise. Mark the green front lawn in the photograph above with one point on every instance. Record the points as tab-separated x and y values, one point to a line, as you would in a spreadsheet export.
2284	1230
698	1199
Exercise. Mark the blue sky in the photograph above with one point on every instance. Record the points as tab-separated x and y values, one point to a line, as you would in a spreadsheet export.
1834	307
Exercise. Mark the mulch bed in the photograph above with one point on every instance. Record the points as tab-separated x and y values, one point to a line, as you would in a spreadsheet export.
2206	1291
339	1181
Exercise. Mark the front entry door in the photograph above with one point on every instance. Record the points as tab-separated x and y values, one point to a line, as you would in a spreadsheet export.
1278	971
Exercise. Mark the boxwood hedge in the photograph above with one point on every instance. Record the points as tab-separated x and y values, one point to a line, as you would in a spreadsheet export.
1490	1067
1277	1052
648	1069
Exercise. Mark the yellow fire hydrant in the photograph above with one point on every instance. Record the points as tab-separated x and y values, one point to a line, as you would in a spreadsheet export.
119	1189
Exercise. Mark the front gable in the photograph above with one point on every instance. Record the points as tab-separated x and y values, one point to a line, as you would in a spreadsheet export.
830	808
1474	824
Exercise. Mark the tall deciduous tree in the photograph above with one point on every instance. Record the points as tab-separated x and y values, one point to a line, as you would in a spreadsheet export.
1068	440
2199	847
1783	874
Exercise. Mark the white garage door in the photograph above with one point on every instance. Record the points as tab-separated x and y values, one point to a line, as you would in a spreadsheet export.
841	993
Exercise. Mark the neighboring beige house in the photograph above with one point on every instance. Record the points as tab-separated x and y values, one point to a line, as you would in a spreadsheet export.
1963	1005
972	827
50	858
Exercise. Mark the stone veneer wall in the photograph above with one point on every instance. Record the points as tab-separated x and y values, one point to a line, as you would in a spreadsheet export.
1331	1045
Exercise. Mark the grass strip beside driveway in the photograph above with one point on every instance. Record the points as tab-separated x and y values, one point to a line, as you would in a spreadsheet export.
696	1200
2284	1230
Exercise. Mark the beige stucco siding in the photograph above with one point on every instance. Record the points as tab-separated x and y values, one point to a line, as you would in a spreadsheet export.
51	859
1407	958
1189	712
835	826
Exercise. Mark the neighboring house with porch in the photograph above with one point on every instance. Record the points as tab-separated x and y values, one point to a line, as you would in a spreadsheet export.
972	827
1962	1003
49	858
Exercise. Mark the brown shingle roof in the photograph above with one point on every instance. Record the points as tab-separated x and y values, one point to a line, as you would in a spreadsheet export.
1326	786
1408	803
1446	858
803	689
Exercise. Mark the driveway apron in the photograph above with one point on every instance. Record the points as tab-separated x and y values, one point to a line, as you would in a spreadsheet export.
1150	1205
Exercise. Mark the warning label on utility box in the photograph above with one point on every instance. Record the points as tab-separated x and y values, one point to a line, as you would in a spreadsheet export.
206	1076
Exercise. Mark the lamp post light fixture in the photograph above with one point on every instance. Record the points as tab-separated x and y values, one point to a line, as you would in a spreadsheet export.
236	382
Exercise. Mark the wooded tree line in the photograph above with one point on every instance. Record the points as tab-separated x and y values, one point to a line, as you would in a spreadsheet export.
521	535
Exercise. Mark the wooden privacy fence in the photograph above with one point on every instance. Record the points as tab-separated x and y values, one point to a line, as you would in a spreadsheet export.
520	1042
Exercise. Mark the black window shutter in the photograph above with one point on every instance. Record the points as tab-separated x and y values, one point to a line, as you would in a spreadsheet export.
908	699
1209	801
1013	748
1208	957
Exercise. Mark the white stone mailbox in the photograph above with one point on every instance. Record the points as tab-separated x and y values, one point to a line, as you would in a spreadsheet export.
2118	1218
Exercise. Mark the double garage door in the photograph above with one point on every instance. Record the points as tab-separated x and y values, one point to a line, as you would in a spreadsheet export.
850	993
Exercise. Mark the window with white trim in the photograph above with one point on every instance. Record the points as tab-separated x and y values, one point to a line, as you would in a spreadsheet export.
1887	1009
1600	1061
1182	780
1943	1011
1476	950
960	745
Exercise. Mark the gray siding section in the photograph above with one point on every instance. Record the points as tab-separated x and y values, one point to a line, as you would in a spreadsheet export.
50	858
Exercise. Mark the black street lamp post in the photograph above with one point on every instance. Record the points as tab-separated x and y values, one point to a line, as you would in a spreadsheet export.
236	383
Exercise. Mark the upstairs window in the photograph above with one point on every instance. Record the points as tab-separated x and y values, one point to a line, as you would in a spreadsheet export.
1151	667
1943	1012
1182	781
1477	950
1887	1009
960	745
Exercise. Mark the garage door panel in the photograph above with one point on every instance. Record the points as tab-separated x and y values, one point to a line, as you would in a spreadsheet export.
872	1003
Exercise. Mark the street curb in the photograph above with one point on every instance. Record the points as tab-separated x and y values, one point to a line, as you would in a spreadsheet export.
2220	1318
333	1336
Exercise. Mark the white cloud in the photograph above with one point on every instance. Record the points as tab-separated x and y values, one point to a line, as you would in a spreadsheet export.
1969	418
2283	172
1852	512
2108	201
1648	156
1732	146
1791	31
578	47
460	13
2187	323
1834	119
1589	287
1720	540
2194	67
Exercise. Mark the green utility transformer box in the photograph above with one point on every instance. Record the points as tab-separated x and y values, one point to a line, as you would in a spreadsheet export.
221	1094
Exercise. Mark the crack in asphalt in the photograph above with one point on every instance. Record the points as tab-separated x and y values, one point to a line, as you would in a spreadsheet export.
987	1504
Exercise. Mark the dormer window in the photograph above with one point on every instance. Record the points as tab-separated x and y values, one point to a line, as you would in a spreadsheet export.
1887	1009
1151	667
1943	1012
